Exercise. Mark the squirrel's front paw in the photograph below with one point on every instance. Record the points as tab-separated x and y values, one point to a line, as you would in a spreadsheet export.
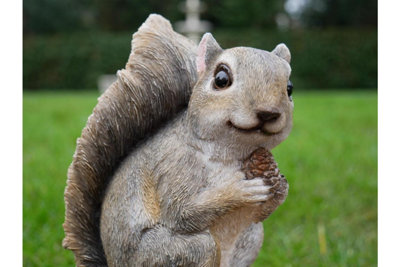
261	164
279	188
254	191
276	195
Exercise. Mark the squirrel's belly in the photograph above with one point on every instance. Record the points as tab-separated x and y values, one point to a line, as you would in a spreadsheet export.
230	228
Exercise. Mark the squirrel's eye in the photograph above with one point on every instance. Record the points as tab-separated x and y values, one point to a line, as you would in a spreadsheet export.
222	78
290	89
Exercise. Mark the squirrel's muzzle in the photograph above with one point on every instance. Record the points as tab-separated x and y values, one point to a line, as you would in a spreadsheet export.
271	120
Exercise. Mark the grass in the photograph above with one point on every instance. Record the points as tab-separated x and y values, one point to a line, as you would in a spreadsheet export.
330	161
52	122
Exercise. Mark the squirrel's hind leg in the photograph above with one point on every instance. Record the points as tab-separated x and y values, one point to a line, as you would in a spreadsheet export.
132	231
159	246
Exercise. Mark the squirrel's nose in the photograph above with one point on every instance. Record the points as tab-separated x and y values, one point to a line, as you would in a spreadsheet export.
268	116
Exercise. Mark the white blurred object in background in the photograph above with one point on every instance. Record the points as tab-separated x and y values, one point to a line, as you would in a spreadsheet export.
192	26
104	81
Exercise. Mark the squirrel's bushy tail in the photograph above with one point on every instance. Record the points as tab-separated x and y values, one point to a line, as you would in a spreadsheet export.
155	84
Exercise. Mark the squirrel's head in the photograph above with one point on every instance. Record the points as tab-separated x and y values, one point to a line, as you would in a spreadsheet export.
242	96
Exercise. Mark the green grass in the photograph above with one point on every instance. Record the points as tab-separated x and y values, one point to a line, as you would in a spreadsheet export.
330	161
52	122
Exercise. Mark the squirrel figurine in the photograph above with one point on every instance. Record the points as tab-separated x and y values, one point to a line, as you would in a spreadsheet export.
172	167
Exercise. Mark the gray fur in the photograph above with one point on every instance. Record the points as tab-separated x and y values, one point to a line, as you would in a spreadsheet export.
248	245
177	196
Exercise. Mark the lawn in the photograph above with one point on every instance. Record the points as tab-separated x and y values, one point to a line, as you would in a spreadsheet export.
330	161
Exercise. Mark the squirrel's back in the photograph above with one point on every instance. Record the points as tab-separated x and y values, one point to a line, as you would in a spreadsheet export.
154	86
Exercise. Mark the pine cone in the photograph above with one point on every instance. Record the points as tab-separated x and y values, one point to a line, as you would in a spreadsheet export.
261	163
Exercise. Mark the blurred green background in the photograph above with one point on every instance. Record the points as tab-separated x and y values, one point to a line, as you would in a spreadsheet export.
330	158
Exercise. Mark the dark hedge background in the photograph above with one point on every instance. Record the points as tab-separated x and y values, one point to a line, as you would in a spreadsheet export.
68	44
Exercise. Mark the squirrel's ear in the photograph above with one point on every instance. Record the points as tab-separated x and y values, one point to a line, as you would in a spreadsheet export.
282	51
208	48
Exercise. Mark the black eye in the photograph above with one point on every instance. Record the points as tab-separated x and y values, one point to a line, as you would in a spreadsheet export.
290	89
222	77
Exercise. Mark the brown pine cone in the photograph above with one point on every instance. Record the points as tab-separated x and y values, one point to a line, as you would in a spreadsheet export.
261	163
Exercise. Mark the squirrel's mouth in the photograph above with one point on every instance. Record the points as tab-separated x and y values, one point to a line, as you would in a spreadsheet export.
259	128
